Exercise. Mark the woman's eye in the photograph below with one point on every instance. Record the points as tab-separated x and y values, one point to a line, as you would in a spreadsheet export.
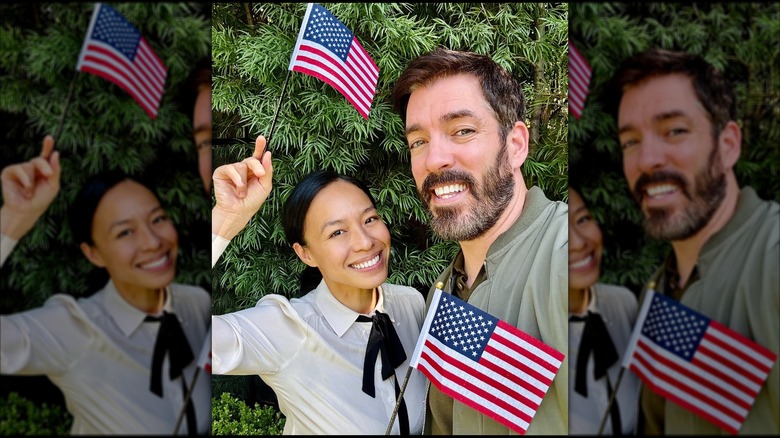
337	233
124	233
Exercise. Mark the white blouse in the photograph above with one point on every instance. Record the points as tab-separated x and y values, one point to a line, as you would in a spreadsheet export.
310	351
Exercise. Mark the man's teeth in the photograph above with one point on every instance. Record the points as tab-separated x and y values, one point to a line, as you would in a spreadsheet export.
447	191
367	264
156	264
581	263
660	189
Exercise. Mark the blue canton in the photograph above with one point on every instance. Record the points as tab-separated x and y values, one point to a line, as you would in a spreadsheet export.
111	28
462	327
325	29
674	327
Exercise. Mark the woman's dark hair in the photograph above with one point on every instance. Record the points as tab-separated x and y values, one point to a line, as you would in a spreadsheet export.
82	213
297	206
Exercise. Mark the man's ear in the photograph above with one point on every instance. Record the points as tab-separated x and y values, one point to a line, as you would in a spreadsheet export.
303	253
517	142
730	144
92	254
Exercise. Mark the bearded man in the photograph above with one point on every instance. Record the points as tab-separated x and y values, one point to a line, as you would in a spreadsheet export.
464	124
676	121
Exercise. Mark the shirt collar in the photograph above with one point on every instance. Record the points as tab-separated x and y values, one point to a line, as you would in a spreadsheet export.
338	316
124	314
592	307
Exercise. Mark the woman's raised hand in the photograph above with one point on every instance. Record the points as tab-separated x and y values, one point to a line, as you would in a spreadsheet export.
240	190
28	190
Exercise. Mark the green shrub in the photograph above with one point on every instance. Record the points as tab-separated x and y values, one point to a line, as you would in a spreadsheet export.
20	416
231	416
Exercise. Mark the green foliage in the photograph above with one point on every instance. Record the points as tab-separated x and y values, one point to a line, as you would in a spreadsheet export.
317	128
104	129
20	416
740	39
231	416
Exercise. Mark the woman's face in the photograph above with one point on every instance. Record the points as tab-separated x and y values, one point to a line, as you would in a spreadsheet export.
346	239
133	239
585	244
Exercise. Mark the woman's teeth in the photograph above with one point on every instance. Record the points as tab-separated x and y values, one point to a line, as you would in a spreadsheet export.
367	264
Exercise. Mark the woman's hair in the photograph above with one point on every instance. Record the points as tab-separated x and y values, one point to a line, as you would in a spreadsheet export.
297	206
81	214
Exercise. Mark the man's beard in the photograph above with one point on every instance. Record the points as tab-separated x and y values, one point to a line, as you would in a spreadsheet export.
709	189
491	199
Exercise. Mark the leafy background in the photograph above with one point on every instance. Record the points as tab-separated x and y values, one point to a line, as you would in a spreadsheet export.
104	129
317	128
740	39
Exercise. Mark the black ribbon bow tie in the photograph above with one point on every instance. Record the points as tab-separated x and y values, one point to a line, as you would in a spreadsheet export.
171	339
596	339
383	338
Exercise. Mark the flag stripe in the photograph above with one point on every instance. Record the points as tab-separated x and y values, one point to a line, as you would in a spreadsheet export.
757	364
504	365
673	393
731	402
103	59
473	393
330	70
579	80
710	365
488	377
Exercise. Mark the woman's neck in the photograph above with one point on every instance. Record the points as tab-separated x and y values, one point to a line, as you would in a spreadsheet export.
579	300
360	300
150	301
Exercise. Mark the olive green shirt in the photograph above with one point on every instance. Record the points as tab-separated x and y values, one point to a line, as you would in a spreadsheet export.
524	282
737	283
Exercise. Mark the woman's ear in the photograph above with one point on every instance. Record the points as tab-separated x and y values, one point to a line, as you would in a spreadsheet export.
303	253
92	254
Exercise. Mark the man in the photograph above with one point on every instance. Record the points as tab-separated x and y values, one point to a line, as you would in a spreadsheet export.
680	141
463	116
197	92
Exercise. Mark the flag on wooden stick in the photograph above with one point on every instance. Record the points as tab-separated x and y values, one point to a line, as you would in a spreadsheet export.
328	50
115	50
579	80
696	362
484	362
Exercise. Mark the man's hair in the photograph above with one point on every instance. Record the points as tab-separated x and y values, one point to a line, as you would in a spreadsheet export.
711	87
503	92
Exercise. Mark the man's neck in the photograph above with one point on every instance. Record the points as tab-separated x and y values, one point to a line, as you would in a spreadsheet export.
475	251
687	251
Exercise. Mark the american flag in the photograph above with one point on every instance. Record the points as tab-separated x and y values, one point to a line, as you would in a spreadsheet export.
579	80
115	50
697	362
484	362
328	50
204	359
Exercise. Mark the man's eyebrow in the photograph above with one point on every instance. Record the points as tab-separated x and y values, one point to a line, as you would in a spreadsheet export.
657	118
444	118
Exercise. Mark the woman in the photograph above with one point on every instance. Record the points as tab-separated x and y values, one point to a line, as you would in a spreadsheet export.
316	352
103	351
601	318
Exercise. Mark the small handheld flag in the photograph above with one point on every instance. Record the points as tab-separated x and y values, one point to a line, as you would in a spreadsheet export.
579	80
484	362
695	362
328	50
115	50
